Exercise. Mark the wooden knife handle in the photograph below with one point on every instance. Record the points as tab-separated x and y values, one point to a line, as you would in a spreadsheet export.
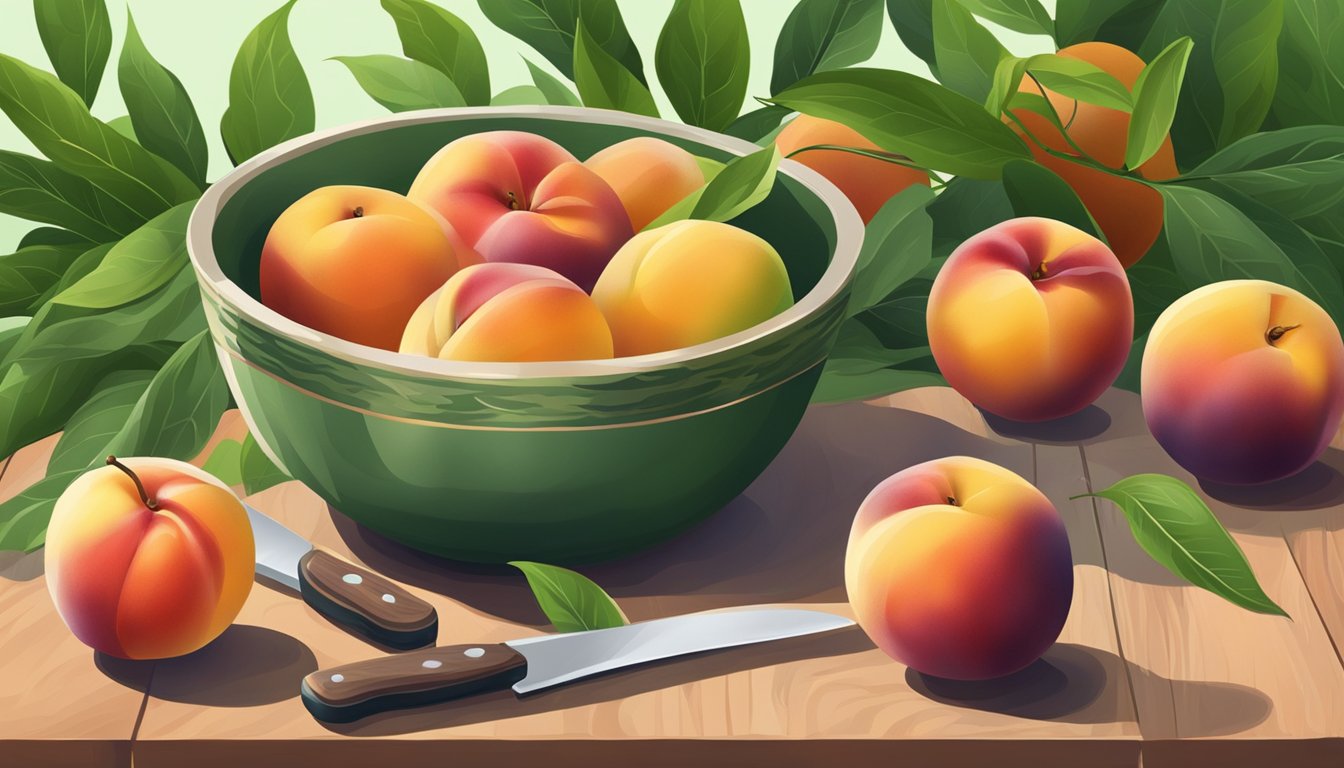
347	693
365	603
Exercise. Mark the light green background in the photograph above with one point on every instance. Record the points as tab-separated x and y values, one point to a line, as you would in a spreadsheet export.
197	40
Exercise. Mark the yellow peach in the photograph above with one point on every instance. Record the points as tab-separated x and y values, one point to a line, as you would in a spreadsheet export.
649	175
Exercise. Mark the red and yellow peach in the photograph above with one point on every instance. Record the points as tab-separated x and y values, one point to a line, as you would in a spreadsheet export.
960	569
148	576
687	283
1031	319
317	265
649	175
508	313
1243	381
521	198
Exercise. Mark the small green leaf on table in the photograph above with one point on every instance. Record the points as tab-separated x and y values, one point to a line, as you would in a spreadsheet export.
897	244
270	100
604	82
258	471
1035	190
163	119
1178	530
556	92
571	601
77	35
551	28
967	54
400	84
911	116
703	60
138	264
819	35
433	36
1155	97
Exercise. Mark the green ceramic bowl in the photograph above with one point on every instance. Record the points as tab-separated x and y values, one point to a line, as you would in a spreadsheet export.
488	462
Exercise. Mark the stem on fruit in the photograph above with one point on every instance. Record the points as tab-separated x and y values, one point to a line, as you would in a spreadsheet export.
1063	129
513	201
139	486
1277	332
1040	273
952	500
359	212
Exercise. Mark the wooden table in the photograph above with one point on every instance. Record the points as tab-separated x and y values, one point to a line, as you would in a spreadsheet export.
1148	671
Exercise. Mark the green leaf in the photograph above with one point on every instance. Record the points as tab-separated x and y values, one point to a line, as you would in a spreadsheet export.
965	207
1003	85
967	53
518	95
52	236
1122	22
28	272
605	83
858	351
1025	16
840	388
259	472
24	518
1178	530
11	329
402	84
92	427
146	259
78	37
161	111
1311	64
897	244
38	190
1155	285
908	115
703	59
743	182
913	22
433	36
1233	69
124	126
85	263
556	92
1035	190
1211	240
225	462
60	126
551	28
758	124
1080	80
181	408
819	35
269	97
1155	96
570	601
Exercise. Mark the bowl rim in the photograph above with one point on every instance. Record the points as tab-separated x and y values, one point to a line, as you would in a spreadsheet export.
848	225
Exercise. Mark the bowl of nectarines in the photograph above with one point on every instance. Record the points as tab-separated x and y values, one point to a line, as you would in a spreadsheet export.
567	383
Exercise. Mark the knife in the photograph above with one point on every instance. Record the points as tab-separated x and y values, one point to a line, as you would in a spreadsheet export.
352	691
359	600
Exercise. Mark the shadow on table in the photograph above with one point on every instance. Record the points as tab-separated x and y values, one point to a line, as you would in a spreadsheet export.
1319	485
1069	430
1067	683
245	667
621	684
782	540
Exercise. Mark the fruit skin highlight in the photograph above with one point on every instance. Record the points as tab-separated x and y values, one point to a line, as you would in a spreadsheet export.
959	569
1243	381
1128	212
355	262
508	313
521	198
868	182
687	283
1031	319
649	176
142	583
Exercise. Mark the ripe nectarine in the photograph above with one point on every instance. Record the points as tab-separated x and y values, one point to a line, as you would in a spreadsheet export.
649	175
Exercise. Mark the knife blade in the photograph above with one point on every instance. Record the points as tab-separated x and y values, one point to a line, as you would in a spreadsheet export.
361	601
347	693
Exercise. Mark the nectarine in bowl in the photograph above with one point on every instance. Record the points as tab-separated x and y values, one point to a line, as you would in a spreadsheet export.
490	461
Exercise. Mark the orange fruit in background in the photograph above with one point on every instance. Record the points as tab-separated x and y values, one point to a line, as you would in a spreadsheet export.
1128	212
868	182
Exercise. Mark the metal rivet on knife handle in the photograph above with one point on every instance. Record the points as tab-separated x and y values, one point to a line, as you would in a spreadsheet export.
359	601
410	679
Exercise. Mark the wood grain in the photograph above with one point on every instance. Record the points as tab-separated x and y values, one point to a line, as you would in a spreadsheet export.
830	698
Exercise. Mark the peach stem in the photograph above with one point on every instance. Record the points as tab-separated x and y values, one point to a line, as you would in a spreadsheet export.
952	500
1277	332
358	212
139	486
